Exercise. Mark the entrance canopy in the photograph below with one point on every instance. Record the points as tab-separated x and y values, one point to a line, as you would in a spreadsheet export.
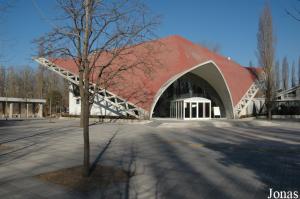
193	108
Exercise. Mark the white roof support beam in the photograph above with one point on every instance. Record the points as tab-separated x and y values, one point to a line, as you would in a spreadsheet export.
114	100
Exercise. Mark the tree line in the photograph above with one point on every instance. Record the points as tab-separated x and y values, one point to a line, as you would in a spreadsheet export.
274	77
287	75
40	83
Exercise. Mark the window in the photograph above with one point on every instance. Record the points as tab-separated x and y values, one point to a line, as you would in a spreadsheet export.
78	101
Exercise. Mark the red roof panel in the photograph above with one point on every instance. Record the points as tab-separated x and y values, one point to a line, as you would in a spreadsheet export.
172	55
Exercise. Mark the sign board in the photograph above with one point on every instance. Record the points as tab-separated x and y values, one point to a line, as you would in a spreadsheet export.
216	110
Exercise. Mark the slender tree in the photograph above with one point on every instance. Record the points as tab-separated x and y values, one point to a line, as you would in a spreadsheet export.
293	75
40	76
277	75
2	81
299	71
250	63
95	29
285	74
265	47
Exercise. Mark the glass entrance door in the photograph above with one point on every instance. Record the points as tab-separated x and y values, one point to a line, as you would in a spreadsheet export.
207	110
194	110
200	110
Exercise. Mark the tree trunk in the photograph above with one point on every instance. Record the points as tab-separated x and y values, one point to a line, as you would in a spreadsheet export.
81	100
269	110
82	113
269	114
86	141
86	98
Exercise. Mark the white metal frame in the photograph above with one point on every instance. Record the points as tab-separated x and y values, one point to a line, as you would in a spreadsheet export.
122	106
246	99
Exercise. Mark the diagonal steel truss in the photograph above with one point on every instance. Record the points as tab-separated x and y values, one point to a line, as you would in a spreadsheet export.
120	106
246	99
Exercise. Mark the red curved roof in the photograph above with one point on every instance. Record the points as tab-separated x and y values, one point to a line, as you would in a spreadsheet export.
170	56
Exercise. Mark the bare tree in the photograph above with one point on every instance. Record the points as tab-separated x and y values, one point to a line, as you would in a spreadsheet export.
251	64
294	13
299	71
277	75
265	47
293	75
95	34
40	76
12	87
2	81
285	74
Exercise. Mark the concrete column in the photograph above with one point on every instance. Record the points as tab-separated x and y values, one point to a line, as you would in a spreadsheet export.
40	113
27	105
11	109
190	109
197	109
3	109
20	109
183	110
209	109
33	109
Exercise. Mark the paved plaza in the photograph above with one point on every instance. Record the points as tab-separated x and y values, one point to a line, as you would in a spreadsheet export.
169	159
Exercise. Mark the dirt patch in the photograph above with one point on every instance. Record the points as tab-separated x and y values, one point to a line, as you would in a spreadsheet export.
4	147
101	177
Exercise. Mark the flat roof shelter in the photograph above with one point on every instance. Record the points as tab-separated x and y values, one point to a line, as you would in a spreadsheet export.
11	107
194	108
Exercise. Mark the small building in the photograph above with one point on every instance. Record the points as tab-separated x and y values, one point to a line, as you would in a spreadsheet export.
194	108
11	107
289	94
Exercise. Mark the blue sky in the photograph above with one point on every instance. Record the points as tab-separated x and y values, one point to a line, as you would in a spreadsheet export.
232	24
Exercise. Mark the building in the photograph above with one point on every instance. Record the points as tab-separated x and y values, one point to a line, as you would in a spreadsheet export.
11	107
176	69
289	94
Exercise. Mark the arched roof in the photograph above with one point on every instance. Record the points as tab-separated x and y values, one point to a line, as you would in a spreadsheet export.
173	55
